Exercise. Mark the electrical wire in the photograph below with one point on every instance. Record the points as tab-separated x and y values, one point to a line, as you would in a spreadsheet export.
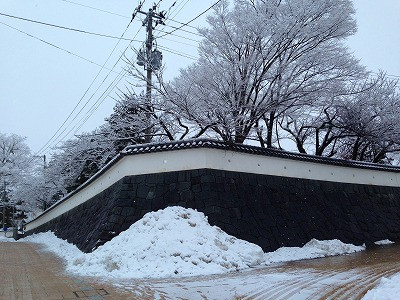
53	45
179	42
174	34
99	101
177	52
66	28
112	13
180	8
94	107
98	9
48	143
184	30
168	19
198	16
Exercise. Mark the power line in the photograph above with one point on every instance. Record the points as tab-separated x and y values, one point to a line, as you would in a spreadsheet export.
179	42
98	9
184	4
177	52
66	28
99	101
194	33
112	13
47	145
198	16
174	34
53	45
93	108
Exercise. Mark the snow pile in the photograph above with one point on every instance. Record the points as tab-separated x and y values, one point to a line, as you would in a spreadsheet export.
313	249
8	238
177	242
383	242
388	289
170	242
4	239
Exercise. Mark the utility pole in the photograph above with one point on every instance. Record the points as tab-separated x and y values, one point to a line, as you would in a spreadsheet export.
4	204
152	61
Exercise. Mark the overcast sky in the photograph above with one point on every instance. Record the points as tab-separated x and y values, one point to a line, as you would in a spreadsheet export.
40	84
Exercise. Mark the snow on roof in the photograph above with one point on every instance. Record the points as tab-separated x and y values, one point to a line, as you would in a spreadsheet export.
213	144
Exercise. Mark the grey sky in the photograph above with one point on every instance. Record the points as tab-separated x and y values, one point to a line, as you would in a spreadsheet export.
40	85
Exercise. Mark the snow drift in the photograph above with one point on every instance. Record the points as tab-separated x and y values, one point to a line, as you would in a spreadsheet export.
388	289
170	242
313	249
177	242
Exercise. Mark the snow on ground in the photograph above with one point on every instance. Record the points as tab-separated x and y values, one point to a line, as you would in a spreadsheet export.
387	289
177	242
3	238
170	242
313	249
383	242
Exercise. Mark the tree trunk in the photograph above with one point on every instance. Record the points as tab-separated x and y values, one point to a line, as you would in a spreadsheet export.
270	129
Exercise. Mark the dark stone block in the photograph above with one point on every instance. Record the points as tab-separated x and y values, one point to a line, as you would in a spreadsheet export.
196	188
155	179
116	211
183	176
127	194
125	202
171	177
207	178
142	191
186	196
184	186
127	211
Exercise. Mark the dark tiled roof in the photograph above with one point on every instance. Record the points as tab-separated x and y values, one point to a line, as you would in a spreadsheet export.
205	143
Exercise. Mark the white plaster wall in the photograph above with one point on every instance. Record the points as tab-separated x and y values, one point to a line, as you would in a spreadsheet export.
189	159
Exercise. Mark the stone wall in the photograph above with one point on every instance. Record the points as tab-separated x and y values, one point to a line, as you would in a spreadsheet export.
270	211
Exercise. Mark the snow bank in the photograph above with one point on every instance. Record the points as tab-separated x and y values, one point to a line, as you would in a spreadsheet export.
383	242
170	242
3	238
387	289
313	249
177	242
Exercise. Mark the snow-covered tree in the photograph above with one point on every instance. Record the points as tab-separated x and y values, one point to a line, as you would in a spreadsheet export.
15	158
372	122
260	59
360	124
155	119
78	159
15	166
